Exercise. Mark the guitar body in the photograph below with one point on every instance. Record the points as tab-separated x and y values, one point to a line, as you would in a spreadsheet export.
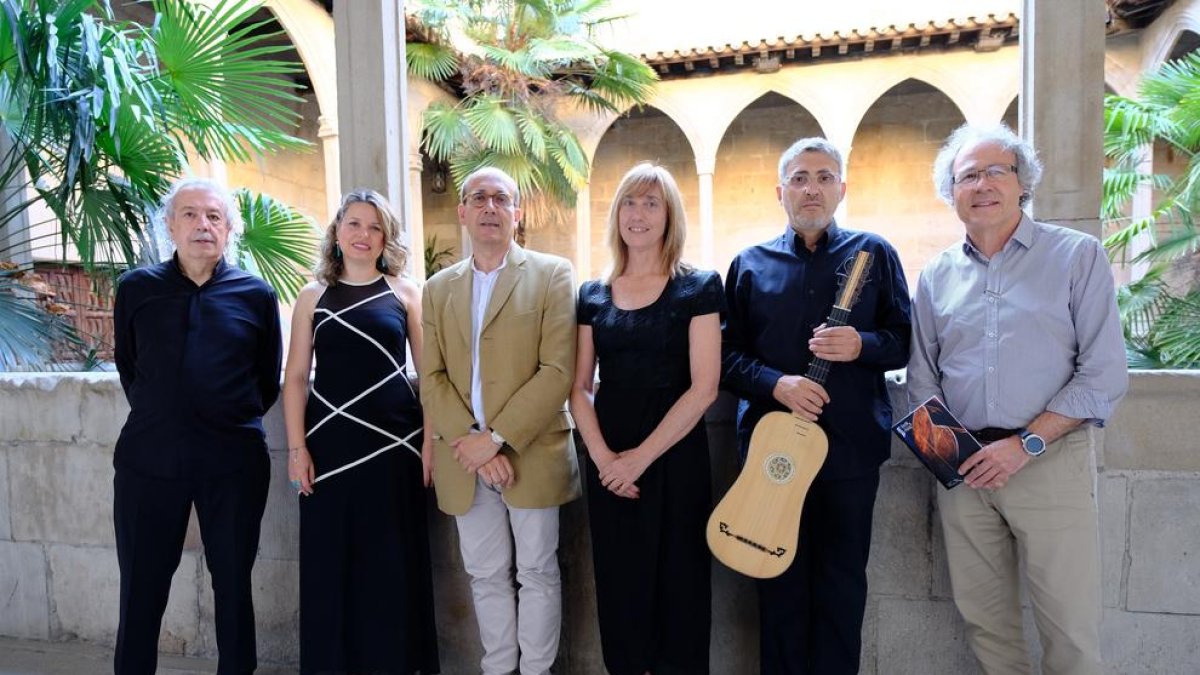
755	527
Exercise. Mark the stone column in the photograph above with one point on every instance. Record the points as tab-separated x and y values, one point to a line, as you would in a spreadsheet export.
369	42
1142	205
704	172
414	217
14	235
328	134
1061	107
583	234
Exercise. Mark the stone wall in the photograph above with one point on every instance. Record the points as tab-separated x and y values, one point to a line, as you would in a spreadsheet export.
59	580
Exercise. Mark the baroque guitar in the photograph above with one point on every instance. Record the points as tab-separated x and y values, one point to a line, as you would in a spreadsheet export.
755	527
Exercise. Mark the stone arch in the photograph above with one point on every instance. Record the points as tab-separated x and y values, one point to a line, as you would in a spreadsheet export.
1011	116
1186	42
649	134
745	208
1167	33
310	29
977	104
299	178
889	189
739	101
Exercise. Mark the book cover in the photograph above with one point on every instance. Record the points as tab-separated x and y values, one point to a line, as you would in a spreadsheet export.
938	439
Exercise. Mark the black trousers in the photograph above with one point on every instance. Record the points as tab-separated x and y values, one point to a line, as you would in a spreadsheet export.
811	615
151	517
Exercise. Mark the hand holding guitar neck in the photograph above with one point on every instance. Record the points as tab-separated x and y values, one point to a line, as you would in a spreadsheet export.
841	344
801	395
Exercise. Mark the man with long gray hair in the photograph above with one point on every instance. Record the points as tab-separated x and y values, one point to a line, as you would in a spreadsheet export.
198	350
1015	328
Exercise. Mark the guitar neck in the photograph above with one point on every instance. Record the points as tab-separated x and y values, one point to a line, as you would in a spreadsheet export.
818	369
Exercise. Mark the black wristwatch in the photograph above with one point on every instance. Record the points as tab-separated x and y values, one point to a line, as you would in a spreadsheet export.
1033	444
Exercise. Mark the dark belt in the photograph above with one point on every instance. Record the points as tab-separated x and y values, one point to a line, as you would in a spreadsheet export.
993	434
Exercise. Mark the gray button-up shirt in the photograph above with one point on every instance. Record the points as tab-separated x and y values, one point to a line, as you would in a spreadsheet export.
1033	329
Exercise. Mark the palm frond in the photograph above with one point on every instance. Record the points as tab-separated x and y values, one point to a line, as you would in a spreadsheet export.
533	133
624	78
561	49
430	61
280	241
445	131
215	77
1175	335
530	55
493	124
28	332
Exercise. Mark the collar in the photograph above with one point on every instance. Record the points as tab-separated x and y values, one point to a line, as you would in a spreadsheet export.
218	271
795	244
1024	235
476	270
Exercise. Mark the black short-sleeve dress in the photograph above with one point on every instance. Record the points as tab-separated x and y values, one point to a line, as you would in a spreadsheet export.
652	564
366	591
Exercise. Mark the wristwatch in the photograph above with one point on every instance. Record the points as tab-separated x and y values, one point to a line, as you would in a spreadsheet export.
1033	444
496	437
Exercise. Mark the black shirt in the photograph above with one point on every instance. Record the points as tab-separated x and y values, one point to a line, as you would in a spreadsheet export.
200	366
776	294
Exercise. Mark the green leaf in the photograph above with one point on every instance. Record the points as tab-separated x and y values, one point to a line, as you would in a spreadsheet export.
444	131
216	77
430	61
533	133
529	57
280	241
493	124
28	332
1175	336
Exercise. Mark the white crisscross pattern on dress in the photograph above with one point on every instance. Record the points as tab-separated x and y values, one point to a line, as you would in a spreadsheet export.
336	410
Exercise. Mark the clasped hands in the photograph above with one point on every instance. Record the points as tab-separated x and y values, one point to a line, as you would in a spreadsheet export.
620	471
479	454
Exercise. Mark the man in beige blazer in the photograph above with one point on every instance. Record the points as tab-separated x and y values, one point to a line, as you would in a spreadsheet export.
496	370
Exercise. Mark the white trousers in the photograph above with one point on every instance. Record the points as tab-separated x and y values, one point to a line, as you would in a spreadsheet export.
514	625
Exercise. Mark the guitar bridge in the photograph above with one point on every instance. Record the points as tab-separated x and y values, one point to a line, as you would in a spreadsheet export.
777	552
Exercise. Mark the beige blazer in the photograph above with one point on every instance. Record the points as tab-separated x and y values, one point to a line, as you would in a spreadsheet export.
527	362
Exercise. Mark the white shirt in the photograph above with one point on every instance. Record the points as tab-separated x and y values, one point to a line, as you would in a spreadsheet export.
482	285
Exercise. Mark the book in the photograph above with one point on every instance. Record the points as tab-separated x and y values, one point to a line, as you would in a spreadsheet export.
938	439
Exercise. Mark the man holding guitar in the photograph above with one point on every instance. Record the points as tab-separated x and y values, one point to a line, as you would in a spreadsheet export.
779	294
1016	330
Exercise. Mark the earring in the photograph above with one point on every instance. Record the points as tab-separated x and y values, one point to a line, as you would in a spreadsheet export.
381	264
337	251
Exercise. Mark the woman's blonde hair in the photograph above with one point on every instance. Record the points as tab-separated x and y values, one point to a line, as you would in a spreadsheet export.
395	254
637	181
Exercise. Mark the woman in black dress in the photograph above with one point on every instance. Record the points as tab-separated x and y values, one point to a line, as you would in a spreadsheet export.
358	456
653	325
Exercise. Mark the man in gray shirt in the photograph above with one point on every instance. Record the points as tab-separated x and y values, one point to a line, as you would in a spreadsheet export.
1016	329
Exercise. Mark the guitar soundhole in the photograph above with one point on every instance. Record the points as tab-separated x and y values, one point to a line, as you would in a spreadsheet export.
780	468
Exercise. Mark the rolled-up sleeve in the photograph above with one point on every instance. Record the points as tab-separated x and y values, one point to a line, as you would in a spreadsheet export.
1101	375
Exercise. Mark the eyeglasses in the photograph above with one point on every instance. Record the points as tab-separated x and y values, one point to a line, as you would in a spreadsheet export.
802	179
992	171
478	200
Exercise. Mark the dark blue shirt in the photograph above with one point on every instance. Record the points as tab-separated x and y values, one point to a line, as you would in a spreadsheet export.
200	366
776	294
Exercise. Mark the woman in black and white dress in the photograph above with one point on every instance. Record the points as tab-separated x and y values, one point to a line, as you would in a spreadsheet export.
358	456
